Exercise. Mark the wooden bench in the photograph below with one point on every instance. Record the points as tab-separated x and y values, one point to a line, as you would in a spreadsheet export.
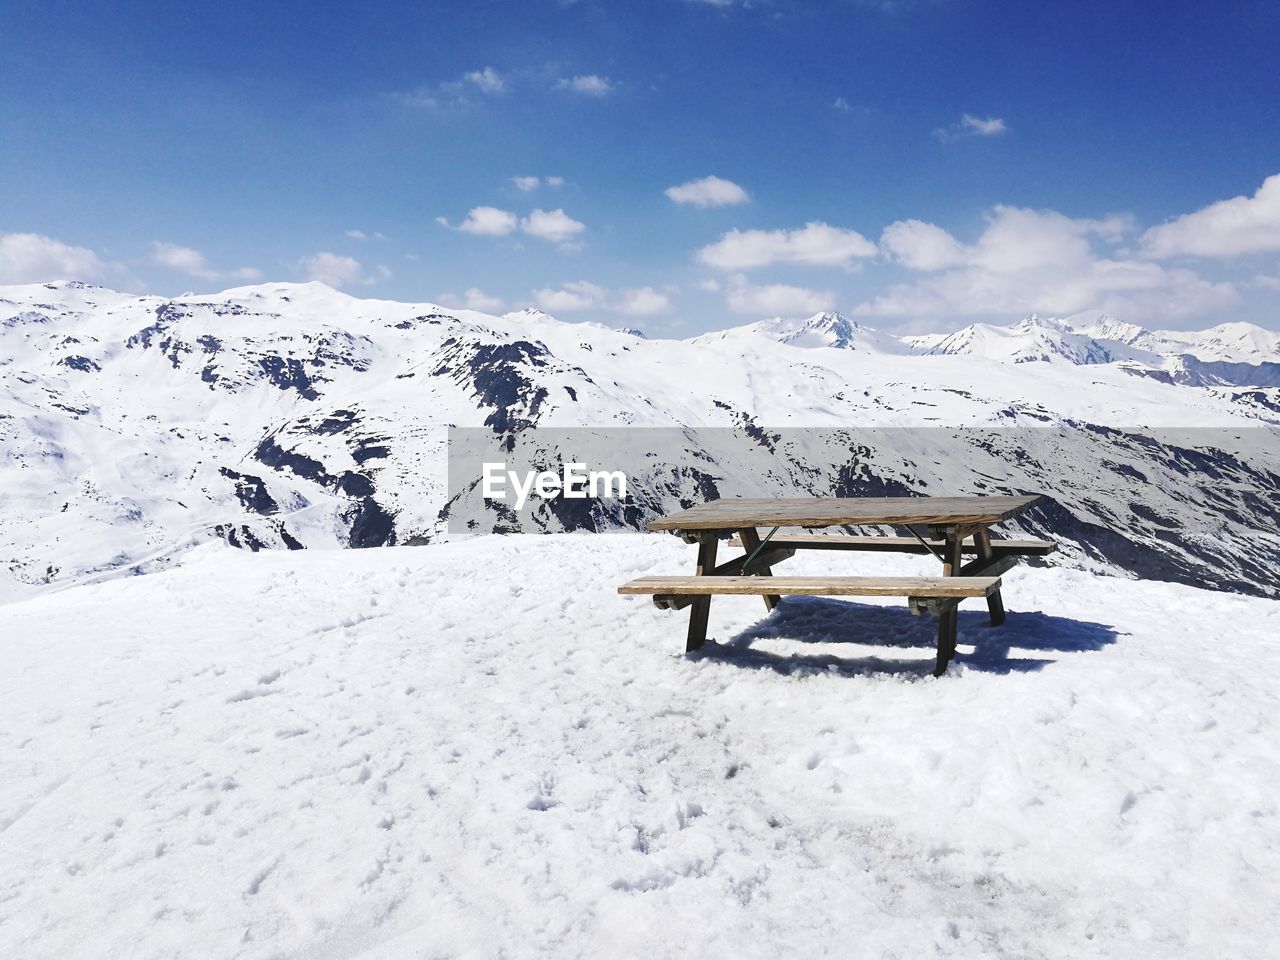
951	528
819	541
923	593
936	595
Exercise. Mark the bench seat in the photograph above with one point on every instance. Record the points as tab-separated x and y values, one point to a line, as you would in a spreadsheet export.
819	541
932	587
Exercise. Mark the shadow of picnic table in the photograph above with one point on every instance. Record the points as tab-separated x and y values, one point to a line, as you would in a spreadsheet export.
811	620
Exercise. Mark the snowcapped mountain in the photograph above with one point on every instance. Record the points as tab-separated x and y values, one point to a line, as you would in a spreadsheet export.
1232	354
821	330
1027	341
293	416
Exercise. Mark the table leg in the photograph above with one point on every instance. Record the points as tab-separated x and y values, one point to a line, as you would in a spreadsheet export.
701	606
751	540
995	603
951	555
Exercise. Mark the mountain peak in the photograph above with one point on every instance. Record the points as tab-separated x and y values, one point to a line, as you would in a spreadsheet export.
529	314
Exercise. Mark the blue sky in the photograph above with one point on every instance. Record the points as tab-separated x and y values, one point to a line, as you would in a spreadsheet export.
919	165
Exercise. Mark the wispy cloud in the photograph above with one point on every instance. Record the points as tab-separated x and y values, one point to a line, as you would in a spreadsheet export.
571	297
815	244
776	299
708	192
454	93
194	264
339	271
641	302
488	80
529	184
580	295
972	126
365	235
473	299
589	85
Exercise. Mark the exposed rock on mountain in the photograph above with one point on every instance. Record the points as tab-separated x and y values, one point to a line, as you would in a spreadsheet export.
290	416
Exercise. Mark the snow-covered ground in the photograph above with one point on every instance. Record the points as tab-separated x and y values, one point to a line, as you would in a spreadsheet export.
479	749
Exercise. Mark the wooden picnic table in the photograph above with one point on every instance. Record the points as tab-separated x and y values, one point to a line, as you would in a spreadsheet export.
953	526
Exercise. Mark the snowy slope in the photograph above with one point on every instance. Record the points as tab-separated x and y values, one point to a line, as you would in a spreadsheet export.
1032	339
293	416
821	330
477	749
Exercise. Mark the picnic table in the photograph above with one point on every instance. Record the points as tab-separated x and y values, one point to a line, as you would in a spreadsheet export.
953	527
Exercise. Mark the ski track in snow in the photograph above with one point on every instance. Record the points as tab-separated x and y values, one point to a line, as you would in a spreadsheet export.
479	749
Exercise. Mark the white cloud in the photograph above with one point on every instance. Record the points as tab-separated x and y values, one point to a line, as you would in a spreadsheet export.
777	299
454	94
1037	260
488	80
473	299
336	270
581	295
554	225
922	246
1228	228
34	258
840	103
184	259
577	295
590	85
529	184
365	235
641	302
485	222
971	126
984	126
193	263
816	244
710	284
708	192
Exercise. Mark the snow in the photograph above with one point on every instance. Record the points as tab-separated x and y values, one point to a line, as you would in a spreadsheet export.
478	749
283	414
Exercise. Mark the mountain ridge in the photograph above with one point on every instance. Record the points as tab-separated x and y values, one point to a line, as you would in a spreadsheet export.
295	416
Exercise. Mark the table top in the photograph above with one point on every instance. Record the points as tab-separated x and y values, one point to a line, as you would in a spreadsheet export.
736	513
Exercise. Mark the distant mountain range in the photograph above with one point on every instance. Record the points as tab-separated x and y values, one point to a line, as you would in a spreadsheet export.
294	416
1231	354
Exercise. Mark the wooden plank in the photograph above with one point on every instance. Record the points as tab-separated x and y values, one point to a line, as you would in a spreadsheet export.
730	568
815	586
947	619
980	567
826	541
986	554
750	540
737	513
701	607
934	605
